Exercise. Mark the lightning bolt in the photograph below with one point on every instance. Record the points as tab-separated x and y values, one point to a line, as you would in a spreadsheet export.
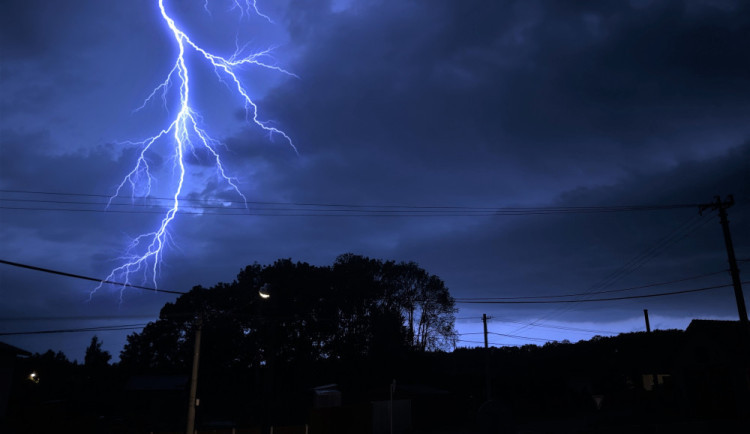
144	255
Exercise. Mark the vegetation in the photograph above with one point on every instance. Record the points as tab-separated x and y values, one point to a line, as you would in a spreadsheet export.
359	307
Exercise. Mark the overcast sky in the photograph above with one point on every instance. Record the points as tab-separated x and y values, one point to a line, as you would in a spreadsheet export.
392	103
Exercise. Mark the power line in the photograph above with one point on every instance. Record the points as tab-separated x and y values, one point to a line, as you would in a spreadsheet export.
566	328
574	329
661	294
78	330
268	213
305	209
368	208
347	208
594	292
494	344
666	242
528	338
93	279
331	213
75	318
222	201
686	228
689	226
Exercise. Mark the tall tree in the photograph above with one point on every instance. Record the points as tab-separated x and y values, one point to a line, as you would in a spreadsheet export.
426	304
437	311
96	357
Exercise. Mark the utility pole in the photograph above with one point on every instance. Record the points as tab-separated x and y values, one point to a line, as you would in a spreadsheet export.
654	378
194	378
486	359
733	269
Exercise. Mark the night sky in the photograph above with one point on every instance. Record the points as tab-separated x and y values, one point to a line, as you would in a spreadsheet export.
423	117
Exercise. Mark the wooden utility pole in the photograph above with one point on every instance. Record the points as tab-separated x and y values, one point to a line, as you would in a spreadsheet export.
487	359
654	378
733	269
194	378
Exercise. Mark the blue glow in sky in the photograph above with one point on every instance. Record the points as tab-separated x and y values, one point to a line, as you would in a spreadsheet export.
417	103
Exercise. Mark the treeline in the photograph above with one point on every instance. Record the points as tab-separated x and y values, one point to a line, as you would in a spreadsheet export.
280	330
555	380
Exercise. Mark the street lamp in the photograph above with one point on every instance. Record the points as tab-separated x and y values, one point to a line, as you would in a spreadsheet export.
193	401
263	292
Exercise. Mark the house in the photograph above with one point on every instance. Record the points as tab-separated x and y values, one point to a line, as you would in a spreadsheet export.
712	372
156	402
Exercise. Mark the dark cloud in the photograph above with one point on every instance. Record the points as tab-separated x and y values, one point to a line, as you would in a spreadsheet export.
512	79
568	254
412	103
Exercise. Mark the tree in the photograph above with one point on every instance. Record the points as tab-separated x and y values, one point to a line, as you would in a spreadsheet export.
426	303
437	311
353	309
161	347
96	357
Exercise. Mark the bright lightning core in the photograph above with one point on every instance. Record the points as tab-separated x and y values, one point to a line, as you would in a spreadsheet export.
184	134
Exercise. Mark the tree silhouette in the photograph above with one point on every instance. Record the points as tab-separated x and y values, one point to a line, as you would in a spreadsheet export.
355	308
96	357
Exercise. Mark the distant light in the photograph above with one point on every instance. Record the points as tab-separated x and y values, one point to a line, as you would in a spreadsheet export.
34	377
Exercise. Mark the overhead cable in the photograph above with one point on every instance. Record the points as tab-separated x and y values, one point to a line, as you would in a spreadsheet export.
93	279
660	294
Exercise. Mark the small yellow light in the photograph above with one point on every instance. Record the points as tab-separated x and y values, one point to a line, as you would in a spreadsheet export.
34	377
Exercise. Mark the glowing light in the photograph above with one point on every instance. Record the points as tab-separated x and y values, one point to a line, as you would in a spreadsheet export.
263	292
144	255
